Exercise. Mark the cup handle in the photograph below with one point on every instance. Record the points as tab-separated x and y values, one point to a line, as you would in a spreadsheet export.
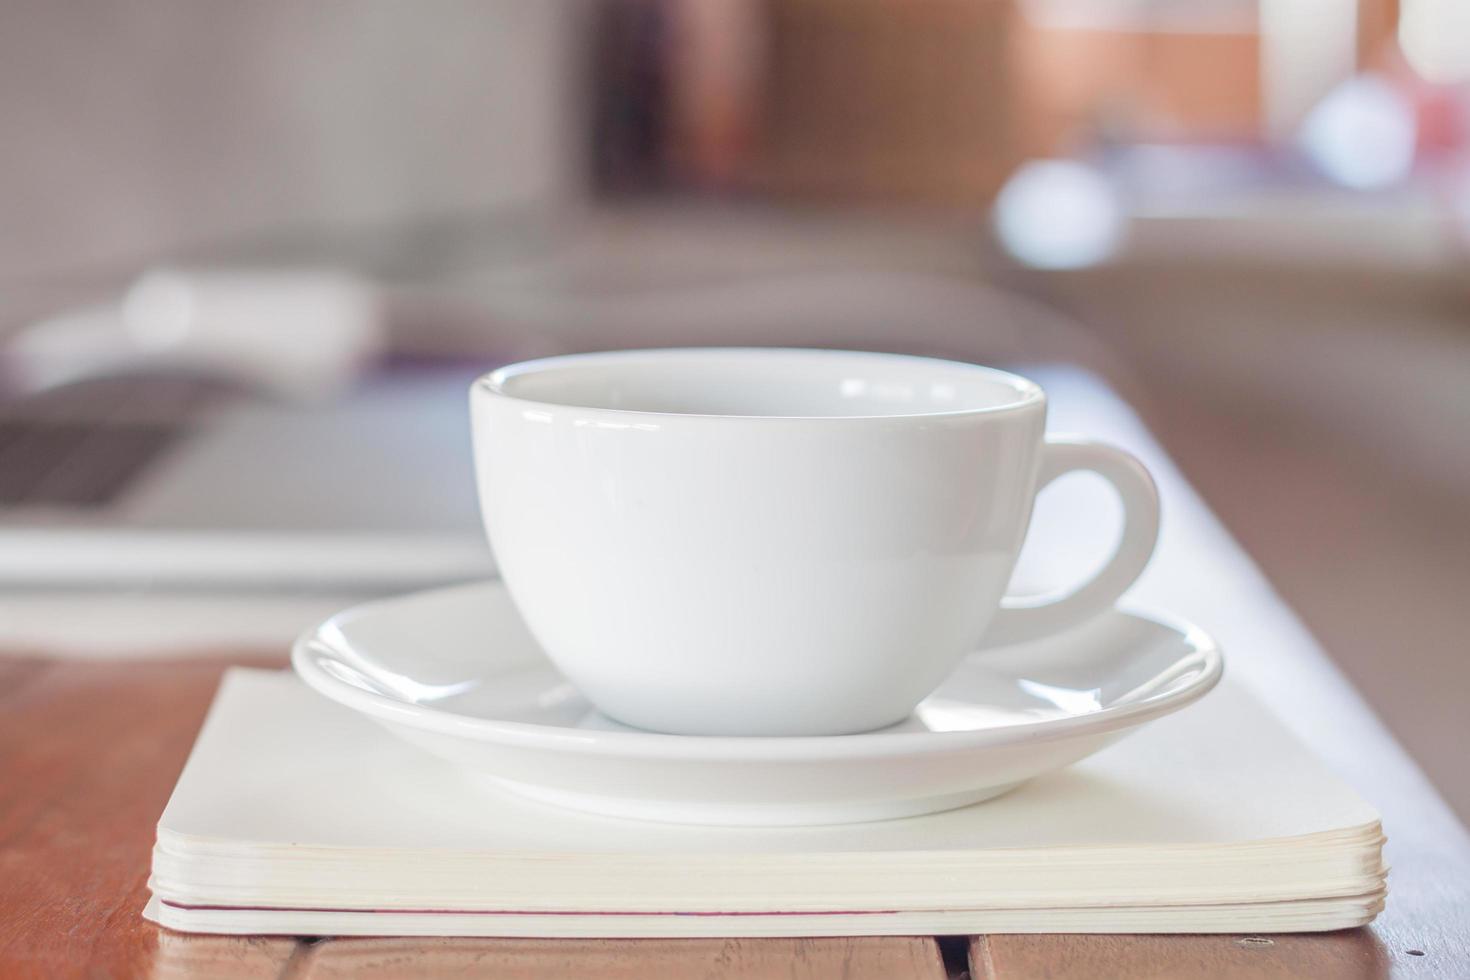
1018	619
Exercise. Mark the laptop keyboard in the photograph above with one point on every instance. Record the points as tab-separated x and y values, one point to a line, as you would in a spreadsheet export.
80	446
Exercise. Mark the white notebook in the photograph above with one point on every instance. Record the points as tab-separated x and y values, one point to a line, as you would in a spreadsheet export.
294	815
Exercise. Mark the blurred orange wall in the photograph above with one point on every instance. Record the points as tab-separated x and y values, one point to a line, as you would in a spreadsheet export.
1073	84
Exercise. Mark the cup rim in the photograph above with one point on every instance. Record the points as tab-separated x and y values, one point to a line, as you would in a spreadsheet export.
1028	393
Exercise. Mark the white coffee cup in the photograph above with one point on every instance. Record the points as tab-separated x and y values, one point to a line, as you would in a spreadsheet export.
776	542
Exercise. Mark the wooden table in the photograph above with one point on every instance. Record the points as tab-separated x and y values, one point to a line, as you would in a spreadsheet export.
90	751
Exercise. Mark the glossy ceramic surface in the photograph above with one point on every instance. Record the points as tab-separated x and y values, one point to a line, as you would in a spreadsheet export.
456	672
775	542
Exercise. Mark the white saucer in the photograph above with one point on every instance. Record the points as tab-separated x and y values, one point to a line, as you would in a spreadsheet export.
455	672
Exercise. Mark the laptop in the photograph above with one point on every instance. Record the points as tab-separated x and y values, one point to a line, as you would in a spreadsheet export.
184	483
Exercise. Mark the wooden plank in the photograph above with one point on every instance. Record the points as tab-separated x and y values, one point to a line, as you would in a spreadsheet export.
88	755
1352	953
16	673
866	958
74	846
1425	929
180	957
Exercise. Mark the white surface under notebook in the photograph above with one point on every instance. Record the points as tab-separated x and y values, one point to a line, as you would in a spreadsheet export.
297	816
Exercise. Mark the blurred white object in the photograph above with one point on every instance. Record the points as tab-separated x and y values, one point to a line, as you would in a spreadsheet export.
302	334
298	331
1306	47
1434	36
1058	214
1362	134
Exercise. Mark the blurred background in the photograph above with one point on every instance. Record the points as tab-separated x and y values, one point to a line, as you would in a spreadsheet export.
250	254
